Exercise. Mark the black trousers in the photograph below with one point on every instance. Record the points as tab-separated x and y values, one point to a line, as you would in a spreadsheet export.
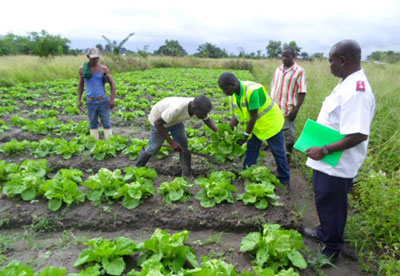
331	202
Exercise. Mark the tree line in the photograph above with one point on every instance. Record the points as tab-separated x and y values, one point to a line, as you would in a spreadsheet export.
44	44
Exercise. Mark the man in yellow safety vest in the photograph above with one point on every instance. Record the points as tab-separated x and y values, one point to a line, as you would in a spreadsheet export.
264	121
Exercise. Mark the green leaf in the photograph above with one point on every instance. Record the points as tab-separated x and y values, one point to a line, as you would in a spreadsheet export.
130	203
29	194
250	242
114	266
175	195
52	271
55	204
297	259
262	204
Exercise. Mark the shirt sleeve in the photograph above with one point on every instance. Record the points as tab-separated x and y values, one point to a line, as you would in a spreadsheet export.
356	113
302	82
257	99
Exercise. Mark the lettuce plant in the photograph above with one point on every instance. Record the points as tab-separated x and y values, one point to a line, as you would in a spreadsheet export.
103	185
63	187
171	251
259	174
14	147
275	248
3	126
213	267
224	144
135	192
135	147
216	188
108	254
175	190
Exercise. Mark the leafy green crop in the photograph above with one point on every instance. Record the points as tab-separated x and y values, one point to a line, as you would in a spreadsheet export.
175	190
103	185
276	248
16	268
103	149
269	272
28	180
213	267
135	173
3	126
171	251
135	192
14	147
135	147
43	147
63	187
224	144
216	189
107	253
67	148
260	174
94	270
259	187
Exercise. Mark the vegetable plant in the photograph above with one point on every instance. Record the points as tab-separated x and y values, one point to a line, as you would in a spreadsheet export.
103	185
171	251
224	144
14	147
216	188
213	267
63	187
175	190
108	254
275	248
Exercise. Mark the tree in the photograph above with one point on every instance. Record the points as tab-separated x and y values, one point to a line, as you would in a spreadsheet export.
317	56
211	51
274	49
304	55
113	47
100	47
43	44
294	45
171	48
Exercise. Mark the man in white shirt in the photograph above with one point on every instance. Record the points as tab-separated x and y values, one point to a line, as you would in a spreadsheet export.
349	109
167	116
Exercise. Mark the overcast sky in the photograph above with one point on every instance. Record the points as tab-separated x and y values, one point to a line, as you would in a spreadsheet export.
246	24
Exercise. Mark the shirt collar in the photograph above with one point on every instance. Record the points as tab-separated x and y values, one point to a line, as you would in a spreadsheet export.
291	67
241	89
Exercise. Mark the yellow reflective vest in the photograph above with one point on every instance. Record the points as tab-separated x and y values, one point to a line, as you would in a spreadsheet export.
270	119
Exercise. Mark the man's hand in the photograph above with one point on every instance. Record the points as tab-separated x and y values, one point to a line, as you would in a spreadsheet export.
80	106
176	146
315	153
111	104
242	141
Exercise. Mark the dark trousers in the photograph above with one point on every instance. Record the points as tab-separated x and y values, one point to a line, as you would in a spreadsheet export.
331	202
277	146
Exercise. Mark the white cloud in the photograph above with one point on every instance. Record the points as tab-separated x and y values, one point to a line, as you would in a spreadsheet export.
314	25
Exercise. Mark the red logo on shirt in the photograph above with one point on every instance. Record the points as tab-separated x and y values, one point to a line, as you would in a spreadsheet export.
360	86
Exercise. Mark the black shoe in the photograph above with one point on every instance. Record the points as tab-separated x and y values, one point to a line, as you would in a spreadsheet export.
311	234
331	260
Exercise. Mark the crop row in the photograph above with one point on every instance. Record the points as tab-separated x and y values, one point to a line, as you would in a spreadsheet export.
275	251
29	181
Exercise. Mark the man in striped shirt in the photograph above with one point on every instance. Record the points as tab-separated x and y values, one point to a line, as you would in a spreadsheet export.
288	90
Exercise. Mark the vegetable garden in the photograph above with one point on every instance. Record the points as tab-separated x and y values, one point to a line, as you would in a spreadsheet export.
81	207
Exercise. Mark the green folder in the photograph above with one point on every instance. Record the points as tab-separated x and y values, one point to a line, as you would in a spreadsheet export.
317	135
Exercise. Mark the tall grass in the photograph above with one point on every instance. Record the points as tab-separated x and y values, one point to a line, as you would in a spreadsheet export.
373	227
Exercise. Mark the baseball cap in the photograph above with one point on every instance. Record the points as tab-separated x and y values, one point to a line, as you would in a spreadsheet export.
94	53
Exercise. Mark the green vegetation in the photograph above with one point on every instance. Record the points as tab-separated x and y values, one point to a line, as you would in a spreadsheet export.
275	248
175	190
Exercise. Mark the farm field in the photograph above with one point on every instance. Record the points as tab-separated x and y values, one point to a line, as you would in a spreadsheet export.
40	121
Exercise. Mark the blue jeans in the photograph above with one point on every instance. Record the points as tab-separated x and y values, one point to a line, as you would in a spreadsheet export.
178	134
277	145
100	109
